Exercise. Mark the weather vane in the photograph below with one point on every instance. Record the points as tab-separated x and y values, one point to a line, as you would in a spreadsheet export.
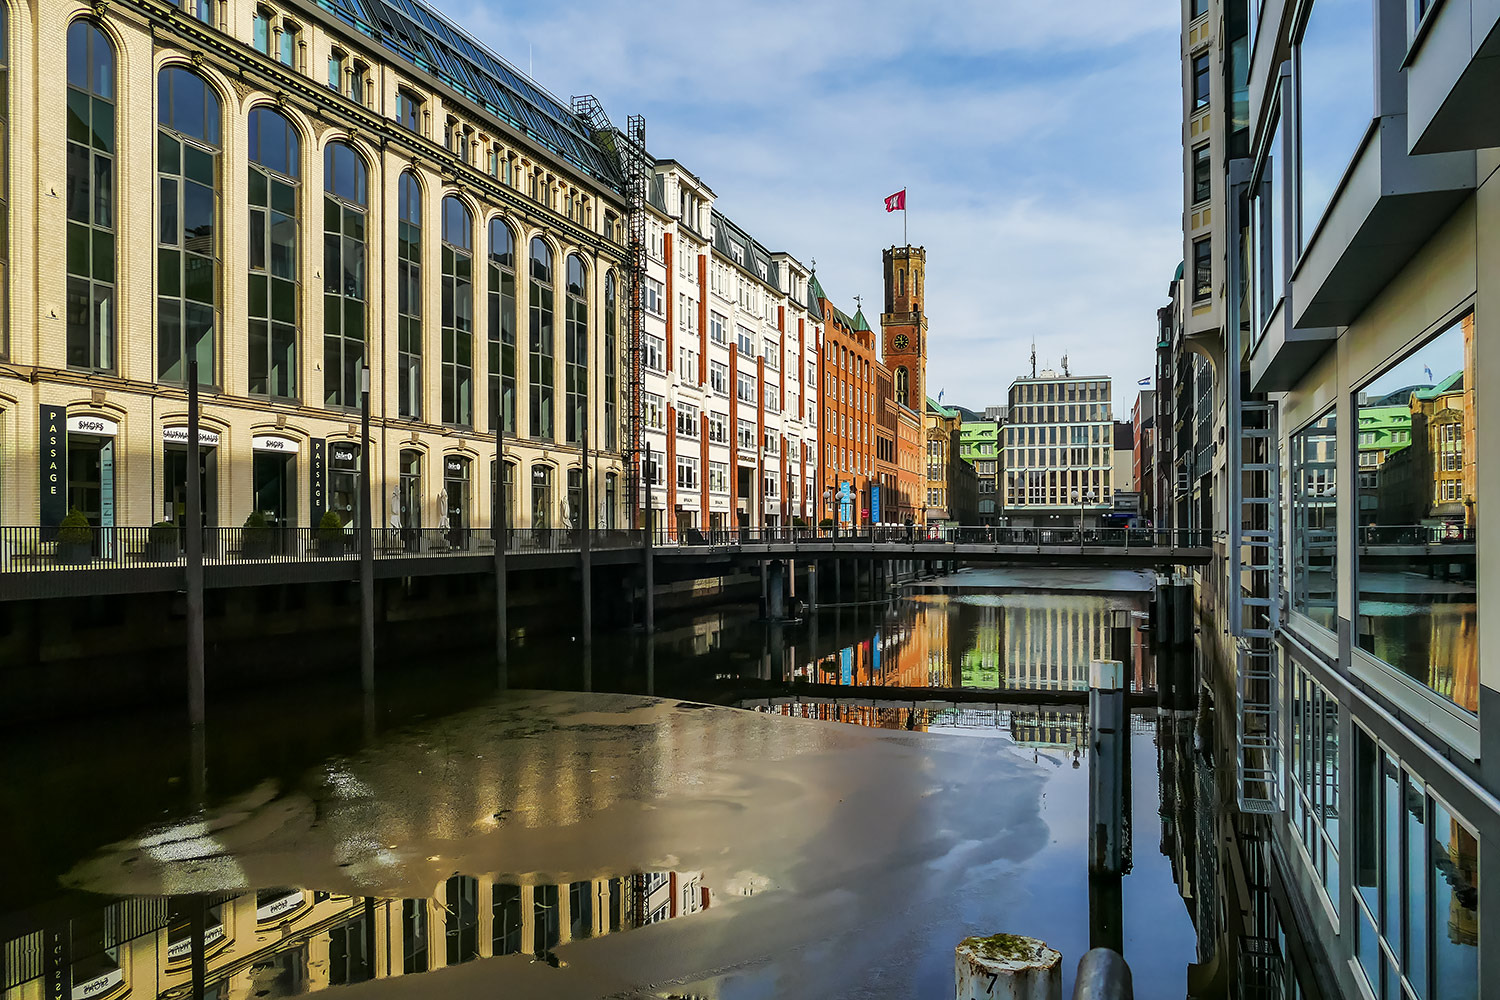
859	302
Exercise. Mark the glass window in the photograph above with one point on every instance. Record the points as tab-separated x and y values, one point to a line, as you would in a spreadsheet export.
611	346
409	296
1417	875
1201	81
1267	254
187	170
91	199
1203	269
507	925
575	351
1336	100
344	271
1202	181
274	246
458	313
413	936
1314	512
5	182
1416	553
502	292
542	359
409	111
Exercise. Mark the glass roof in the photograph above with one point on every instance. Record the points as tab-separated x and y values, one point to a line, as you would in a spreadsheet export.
425	38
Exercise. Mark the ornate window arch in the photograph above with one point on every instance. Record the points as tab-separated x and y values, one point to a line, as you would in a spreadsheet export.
91	258
345	269
543	377
458	312
275	196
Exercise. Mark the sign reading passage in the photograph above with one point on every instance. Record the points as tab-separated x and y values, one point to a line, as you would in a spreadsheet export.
54	453
319	493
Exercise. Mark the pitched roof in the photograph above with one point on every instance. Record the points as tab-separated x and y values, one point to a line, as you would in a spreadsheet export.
422	37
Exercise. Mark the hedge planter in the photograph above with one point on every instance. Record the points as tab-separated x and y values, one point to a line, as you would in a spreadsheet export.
73	553
162	543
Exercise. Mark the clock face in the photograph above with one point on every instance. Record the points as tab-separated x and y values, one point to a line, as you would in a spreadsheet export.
901	342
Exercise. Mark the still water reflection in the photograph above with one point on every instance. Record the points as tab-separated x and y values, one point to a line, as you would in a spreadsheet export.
466	841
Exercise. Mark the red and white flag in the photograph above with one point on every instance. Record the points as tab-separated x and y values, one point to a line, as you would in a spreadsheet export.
896	202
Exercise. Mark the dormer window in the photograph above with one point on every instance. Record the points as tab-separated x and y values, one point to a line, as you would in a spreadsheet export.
409	111
290	34
760	268
336	59
737	253
260	33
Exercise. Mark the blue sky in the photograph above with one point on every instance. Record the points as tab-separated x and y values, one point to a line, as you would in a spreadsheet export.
1039	144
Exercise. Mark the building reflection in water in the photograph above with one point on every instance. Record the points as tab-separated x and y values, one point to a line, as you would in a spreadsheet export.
988	642
282	942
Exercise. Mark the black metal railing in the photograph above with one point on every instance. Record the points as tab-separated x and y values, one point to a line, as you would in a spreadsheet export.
32	548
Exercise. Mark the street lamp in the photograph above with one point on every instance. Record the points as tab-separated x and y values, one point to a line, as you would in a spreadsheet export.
1080	499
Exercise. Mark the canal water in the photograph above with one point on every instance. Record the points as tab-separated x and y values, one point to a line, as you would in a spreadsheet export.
735	810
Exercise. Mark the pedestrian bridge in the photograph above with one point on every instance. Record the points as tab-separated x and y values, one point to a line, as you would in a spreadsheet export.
38	562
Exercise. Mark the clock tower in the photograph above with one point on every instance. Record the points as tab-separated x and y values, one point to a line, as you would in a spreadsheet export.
903	324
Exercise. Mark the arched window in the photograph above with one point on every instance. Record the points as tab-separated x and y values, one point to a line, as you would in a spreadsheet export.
4	183
91	199
187	171
543	379
275	165
900	282
611	345
458	313
409	296
502	292
903	386
576	345
345	197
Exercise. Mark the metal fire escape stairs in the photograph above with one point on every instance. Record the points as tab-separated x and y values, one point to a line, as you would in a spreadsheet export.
628	150
1254	556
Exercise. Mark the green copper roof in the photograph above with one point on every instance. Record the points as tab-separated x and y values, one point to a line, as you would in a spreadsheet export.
860	323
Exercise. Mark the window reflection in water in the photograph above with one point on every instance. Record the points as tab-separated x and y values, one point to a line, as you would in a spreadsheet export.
285	942
1416	552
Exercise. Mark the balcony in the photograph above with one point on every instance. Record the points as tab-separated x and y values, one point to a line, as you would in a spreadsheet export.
1388	204
1452	76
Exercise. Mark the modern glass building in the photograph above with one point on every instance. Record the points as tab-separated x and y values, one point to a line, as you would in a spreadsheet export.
1339	206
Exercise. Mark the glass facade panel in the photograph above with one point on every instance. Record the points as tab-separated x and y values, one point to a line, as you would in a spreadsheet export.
1418	883
576	351
344	274
188	242
543	376
502	319
409	297
1416	548
458	313
274	247
1314	514
90	199
1336	88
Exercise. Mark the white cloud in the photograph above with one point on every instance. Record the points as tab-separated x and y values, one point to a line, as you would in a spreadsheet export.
1039	143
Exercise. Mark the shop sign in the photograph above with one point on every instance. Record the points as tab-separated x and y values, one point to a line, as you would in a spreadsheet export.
455	466
539	474
179	435
343	454
54	470
271	442
102	426
319	492
874	512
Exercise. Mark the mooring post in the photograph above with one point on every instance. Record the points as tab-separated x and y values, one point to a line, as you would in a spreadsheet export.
812	586
775	579
765	596
193	553
838	580
500	529
650	559
1006	967
1107	735
366	543
585	537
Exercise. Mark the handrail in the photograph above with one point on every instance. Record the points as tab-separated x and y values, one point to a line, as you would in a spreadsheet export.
36	548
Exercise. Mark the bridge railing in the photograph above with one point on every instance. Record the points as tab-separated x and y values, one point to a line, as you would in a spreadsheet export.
1417	534
39	549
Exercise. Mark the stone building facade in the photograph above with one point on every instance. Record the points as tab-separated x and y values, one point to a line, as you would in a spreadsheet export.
273	191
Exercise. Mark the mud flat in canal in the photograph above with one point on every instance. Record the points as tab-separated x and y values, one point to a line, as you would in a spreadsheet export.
842	860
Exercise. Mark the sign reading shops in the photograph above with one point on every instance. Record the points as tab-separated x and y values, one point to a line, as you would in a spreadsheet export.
54	454
319	493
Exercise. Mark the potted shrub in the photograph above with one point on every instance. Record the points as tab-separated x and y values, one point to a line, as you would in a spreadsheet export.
255	539
75	538
330	535
161	542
